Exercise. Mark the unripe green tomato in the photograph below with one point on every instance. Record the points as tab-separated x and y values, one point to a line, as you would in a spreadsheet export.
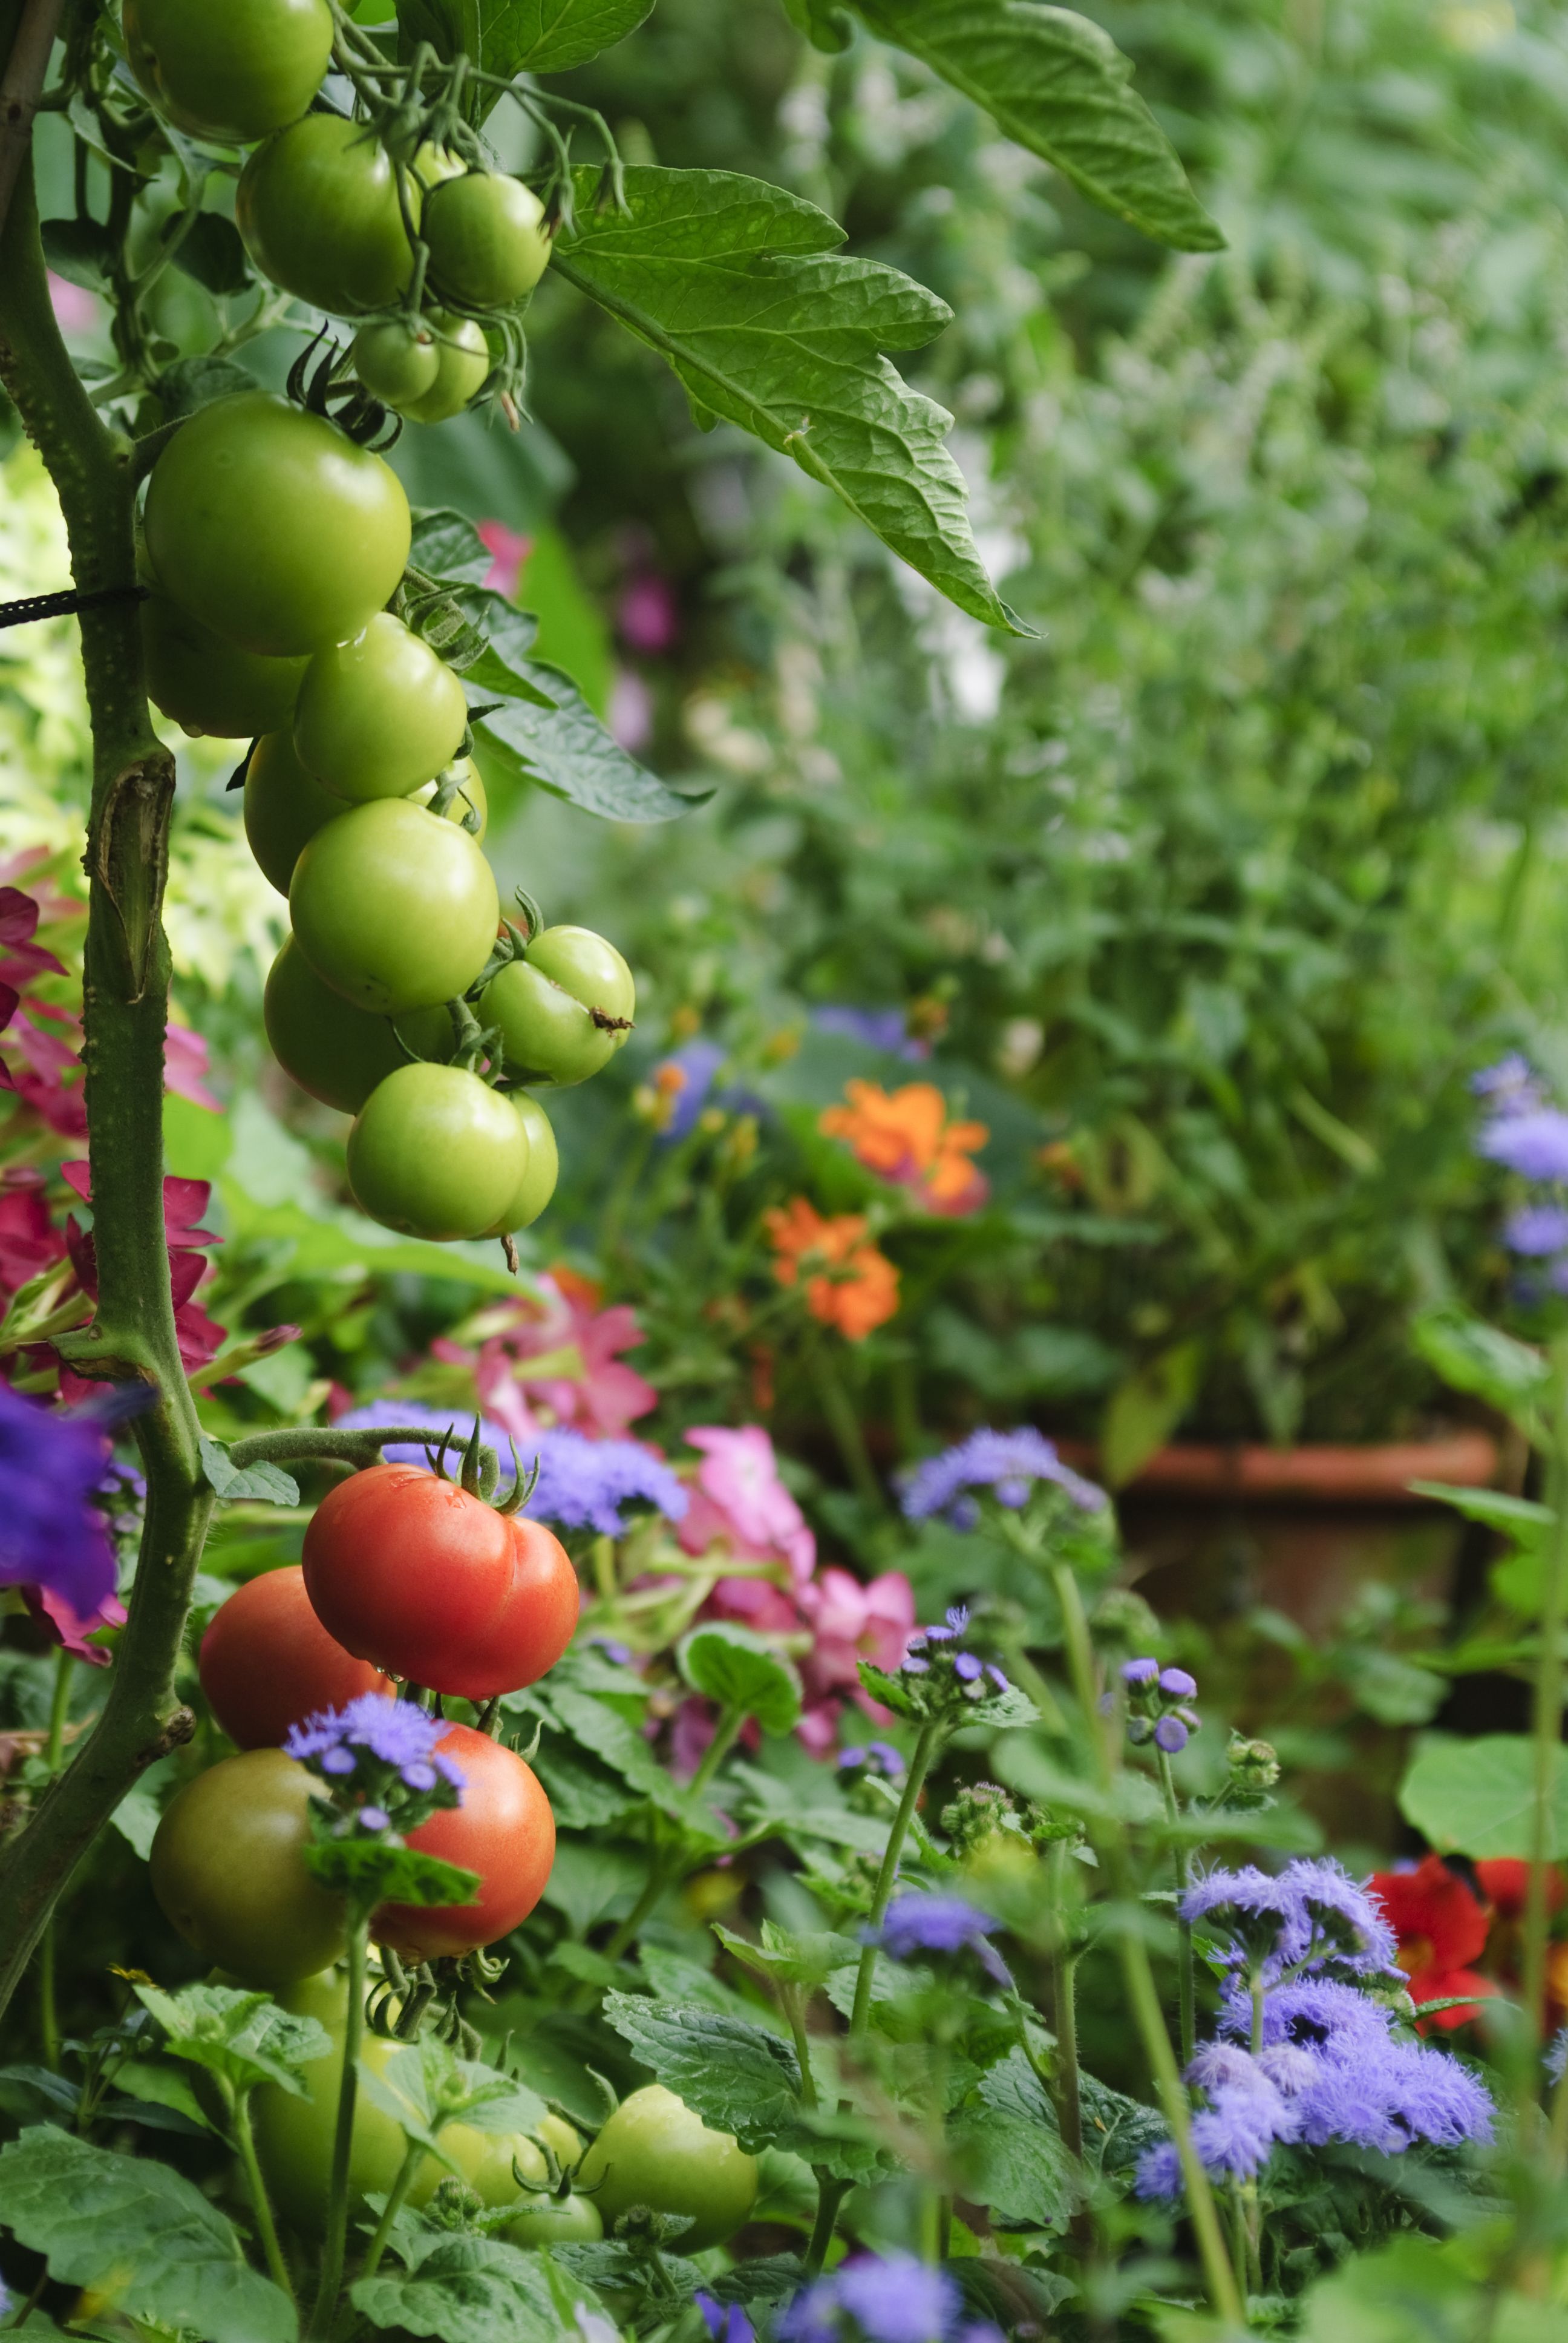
227	1866
395	359
336	1051
294	2135
655	2151
393	907
318	206
541	1168
463	366
207	684
571	2220
435	1153
284	806
231	73
486	240
544	1006
378	716
269	524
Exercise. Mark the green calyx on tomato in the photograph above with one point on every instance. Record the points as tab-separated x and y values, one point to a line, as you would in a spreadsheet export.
436	1152
396	909
227	1866
269	525
209	686
318	208
337	1053
231	73
654	2151
564	1008
487	238
380	715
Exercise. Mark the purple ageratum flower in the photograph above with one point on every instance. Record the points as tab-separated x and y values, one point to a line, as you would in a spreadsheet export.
879	1028
916	1923
1557	2054
1251	1902
890	1759
1534	1142
1139	1672
1512	1084
1389	2095
1319	2015
1338	1924
1536	1230
896	2299
459	1421
1171	1735
374	1818
1234	2136
583	1483
725	2321
397	1731
52	1535
1178	1683
987	1459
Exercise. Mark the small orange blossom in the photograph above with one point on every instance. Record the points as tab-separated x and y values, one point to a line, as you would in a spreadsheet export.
848	1283
904	1136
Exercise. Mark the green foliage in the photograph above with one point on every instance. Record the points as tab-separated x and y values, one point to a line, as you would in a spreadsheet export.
470	2290
737	1669
1478	1797
243	2038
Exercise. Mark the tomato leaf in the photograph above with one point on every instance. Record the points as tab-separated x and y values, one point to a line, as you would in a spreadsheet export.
1478	1797
1058	85
740	2078
449	547
517	36
141	2234
256	1485
785	1956
211	251
826	26
242	2037
738	285
371	1873
735	1667
566	751
470	2290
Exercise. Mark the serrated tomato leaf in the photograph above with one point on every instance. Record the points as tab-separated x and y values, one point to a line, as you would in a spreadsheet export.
738	285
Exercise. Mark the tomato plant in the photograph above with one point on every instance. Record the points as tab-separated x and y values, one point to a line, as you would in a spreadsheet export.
336	1051
393	907
563	1010
504	1830
294	2134
436	1152
655	2151
540	1170
462	366
318	208
380	715
416	1573
397	359
231	73
266	1661
284	806
486	240
209	685
270	525
227	1867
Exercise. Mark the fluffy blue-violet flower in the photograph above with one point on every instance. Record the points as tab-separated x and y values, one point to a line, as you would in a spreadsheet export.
882	2299
916	1923
1534	1143
582	1483
398	1732
52	1535
1007	1463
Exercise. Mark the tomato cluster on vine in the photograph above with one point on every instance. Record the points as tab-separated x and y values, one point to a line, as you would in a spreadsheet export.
275	550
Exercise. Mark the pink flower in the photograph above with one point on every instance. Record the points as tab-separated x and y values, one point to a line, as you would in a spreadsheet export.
185	1063
75	309
851	1623
29	1241
739	1500
647	613
68	1628
509	551
184	1202
552	1358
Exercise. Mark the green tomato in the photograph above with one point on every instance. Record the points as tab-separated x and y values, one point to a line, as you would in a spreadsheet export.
436	1152
227	1866
336	1051
569	2220
231	73
541	1168
294	2135
207	684
395	359
655	2151
546	1005
463	366
284	806
318	208
486	240
395	909
269	524
378	716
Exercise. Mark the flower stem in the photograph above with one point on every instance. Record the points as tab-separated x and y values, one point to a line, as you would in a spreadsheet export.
730	1720
261	2204
845	1426
1138	1975
413	2156
1546	1724
333	2248
54	1749
920	1766
1184	1988
1064	2010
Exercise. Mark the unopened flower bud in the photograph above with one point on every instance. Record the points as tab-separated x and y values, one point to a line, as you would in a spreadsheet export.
1253	1764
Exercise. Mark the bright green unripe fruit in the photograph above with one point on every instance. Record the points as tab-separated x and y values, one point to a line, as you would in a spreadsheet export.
395	909
436	1152
230	72
378	716
541	1170
564	1009
210	686
486	240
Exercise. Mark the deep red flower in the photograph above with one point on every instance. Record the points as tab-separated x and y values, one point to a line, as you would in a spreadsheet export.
1505	1883
184	1202
1442	1928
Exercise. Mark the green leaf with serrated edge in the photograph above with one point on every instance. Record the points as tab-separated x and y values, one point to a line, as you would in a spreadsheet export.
515	36
192	383
1478	1797
787	1957
371	1873
1515	1517
470	2290
739	287
1011	2151
245	2038
256	1485
735	1667
161	2086
1473	1356
738	2077
566	749
502	667
616	1741
446	546
140	2234
1117	2130
1058	85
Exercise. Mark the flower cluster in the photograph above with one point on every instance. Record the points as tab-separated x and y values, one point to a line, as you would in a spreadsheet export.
1009	1466
382	1761
848	1283
1526	1135
581	1483
53	1538
948	1676
1442	1928
1301	1956
1157	1699
918	1925
904	1136
875	2299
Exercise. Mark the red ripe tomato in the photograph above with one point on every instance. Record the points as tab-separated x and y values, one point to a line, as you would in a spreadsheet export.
433	1584
266	1661
504	1830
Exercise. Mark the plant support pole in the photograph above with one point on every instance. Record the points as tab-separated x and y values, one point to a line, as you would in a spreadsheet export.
125	1010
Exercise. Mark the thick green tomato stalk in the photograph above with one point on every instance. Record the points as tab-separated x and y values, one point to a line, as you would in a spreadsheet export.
125	1011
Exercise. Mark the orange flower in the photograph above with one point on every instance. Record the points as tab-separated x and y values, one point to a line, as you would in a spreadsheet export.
848	1283
904	1137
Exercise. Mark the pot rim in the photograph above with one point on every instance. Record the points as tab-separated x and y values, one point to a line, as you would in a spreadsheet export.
1329	1473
